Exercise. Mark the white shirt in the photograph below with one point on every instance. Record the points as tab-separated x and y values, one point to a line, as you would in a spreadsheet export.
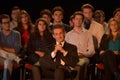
53	54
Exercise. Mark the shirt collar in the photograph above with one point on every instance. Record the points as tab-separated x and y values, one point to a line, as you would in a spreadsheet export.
62	43
83	30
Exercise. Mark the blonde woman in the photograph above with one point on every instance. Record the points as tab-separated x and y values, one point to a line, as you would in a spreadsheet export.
109	50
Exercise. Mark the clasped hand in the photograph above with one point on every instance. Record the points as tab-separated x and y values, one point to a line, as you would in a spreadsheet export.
40	53
58	47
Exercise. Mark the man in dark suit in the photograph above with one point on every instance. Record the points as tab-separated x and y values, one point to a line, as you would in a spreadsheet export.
63	56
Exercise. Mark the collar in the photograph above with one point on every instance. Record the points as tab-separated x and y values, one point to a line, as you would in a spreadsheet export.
83	30
62	43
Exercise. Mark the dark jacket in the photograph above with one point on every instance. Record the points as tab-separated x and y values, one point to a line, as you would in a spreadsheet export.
71	58
40	44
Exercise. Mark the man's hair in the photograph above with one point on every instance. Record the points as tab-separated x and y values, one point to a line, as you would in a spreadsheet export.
4	16
87	6
116	10
57	8
15	8
78	13
58	26
46	11
71	17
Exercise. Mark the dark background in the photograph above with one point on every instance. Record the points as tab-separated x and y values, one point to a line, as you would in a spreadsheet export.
33	7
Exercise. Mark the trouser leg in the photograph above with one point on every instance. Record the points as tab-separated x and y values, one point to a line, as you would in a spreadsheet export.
36	73
59	74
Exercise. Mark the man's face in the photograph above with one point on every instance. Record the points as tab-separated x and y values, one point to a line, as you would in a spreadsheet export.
47	18
117	16
87	12
5	24
58	35
15	14
57	16
78	20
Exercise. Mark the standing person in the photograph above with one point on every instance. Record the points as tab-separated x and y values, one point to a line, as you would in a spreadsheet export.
58	15
109	50
15	12
83	39
10	44
38	42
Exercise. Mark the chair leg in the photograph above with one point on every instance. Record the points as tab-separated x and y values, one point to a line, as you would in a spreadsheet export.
21	72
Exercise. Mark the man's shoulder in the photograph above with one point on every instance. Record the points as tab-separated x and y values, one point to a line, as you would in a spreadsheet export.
70	45
14	32
96	24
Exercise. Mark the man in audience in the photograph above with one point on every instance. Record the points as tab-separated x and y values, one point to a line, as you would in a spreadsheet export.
47	15
95	28
57	15
62	56
116	14
83	39
15	11
10	44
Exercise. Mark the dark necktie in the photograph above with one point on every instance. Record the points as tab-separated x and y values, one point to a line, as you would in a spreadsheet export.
58	57
87	24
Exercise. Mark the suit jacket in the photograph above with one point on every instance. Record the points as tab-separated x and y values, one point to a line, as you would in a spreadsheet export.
104	42
71	58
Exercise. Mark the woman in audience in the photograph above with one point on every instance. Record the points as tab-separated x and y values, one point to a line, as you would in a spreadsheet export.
110	50
39	41
25	27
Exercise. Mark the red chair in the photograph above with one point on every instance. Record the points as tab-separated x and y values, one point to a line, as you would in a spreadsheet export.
27	72
100	71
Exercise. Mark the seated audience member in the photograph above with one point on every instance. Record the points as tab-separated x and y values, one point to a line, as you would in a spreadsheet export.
10	44
15	12
99	16
47	15
94	27
57	16
109	50
83	39
62	56
97	31
25	27
39	40
116	14
71	24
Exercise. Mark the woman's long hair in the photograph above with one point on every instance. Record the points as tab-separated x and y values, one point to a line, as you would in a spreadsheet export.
109	32
30	24
46	34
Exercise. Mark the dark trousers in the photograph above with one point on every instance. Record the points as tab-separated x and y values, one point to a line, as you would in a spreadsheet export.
109	60
49	69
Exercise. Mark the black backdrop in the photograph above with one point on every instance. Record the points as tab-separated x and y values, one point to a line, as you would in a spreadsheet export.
33	7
